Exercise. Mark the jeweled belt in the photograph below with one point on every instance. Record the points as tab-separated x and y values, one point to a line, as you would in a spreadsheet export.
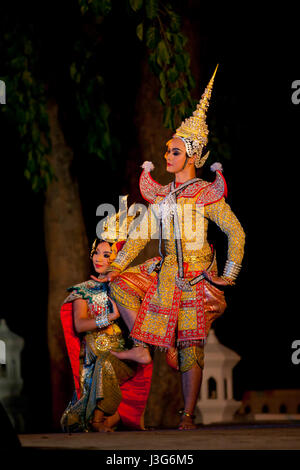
171	259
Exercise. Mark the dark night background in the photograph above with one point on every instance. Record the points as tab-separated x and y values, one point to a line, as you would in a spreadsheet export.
252	99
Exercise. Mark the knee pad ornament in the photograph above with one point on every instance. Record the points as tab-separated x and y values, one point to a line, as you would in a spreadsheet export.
190	356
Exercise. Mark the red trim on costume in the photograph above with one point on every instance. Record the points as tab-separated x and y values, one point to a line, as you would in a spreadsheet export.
225	184
214	191
199	332
208	192
150	188
119	245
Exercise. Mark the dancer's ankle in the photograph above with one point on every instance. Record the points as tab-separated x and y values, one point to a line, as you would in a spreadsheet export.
186	421
137	344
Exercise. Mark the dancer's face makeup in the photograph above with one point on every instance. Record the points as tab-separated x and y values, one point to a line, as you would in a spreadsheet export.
175	155
101	257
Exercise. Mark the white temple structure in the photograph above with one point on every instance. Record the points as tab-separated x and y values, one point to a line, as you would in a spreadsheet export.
216	403
11	345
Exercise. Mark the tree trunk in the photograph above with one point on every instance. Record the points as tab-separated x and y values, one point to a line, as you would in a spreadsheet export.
67	254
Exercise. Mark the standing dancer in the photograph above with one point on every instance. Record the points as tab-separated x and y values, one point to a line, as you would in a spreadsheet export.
182	301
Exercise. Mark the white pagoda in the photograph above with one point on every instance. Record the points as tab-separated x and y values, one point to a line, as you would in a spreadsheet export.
11	345
216	403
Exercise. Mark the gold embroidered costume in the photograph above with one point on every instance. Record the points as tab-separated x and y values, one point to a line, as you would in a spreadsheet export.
165	306
180	305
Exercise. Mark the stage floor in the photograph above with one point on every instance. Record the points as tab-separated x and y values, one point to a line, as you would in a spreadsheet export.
230	437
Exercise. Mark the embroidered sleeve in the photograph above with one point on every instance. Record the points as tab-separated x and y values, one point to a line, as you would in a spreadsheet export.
221	213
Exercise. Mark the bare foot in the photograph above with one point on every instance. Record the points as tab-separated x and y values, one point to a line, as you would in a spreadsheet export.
187	423
112	421
99	423
100	426
138	354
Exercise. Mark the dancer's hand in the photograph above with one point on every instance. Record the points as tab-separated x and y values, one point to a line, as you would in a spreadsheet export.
110	277
218	281
115	314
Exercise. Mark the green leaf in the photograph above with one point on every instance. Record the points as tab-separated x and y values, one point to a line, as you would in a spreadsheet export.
191	81
162	79
100	80
151	9
182	38
136	4
140	31
28	48
174	21
163	56
104	111
182	111
153	64
180	62
27	174
176	96
178	42
152	37
187	59
172	74
163	95
73	70
101	7
168	117
105	140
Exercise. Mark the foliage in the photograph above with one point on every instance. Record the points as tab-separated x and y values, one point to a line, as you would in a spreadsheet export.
26	103
158	28
89	93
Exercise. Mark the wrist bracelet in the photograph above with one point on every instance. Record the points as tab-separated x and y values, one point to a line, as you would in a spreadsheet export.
101	321
231	270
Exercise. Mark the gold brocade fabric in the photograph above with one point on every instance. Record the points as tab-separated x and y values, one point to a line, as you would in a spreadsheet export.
167	312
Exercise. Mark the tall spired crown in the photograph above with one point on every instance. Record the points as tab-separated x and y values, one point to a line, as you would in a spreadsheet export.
194	130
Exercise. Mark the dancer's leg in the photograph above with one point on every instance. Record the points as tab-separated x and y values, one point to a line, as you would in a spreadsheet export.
139	353
191	383
191	363
128	316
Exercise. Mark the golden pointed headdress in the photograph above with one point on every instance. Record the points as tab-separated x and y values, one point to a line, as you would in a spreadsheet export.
193	130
